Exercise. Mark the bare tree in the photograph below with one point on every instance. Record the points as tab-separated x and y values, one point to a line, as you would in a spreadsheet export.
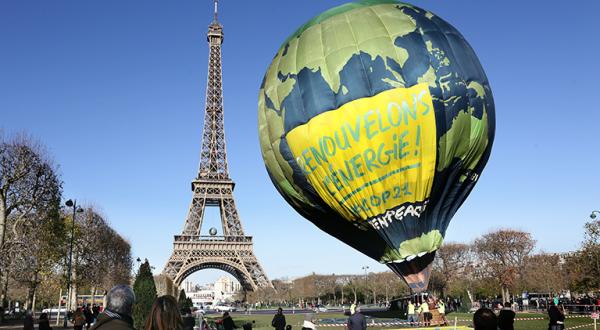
119	262
387	284
29	186
502	254
450	262
41	250
101	257
354	284
544	273
331	286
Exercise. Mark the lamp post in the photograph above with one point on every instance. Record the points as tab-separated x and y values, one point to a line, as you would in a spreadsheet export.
76	209
137	271
366	268
593	215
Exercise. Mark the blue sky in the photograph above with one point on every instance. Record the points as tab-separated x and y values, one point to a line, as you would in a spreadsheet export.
115	90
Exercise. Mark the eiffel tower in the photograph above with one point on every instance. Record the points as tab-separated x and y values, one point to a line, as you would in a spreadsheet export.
233	252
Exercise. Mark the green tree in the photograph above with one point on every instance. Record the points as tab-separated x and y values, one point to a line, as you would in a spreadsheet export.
145	294
184	301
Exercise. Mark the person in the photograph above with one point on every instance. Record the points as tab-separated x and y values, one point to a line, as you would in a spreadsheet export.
485	319
227	322
357	321
442	310
164	315
95	312
506	318
353	308
557	318
278	321
117	313
89	316
424	312
43	322
411	316
28	321
78	319
189	322
204	325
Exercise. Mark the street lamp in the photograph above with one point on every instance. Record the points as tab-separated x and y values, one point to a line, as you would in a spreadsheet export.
593	215
366	268
76	209
137	271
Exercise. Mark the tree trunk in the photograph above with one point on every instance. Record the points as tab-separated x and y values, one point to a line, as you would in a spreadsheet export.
3	217
504	291
4	288
342	295
470	295
73	293
387	296
31	291
4	284
59	307
33	303
93	296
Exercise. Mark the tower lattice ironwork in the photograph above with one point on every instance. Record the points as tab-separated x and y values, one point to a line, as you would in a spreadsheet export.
233	251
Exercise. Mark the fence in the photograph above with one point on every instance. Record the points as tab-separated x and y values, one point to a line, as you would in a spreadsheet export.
454	323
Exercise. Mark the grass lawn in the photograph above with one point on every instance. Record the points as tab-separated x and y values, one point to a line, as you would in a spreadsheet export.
263	322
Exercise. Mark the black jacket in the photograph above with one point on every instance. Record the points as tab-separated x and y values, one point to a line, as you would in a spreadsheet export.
28	323
357	322
506	319
555	315
228	323
188	322
44	325
89	316
278	322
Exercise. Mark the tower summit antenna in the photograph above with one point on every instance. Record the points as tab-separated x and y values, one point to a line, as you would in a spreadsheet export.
216	9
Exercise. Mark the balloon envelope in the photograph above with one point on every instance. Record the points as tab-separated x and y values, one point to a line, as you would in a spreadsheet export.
375	122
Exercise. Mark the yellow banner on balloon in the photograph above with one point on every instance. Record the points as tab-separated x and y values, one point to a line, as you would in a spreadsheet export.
371	155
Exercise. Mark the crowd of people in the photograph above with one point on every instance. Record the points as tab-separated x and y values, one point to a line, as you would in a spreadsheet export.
582	304
485	318
421	313
85	316
166	315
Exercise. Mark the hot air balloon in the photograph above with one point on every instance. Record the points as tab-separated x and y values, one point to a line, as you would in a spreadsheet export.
376	120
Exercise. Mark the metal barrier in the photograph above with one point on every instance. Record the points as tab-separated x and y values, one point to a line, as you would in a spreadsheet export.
453	321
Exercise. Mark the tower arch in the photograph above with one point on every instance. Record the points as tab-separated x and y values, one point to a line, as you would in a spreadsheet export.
242	276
